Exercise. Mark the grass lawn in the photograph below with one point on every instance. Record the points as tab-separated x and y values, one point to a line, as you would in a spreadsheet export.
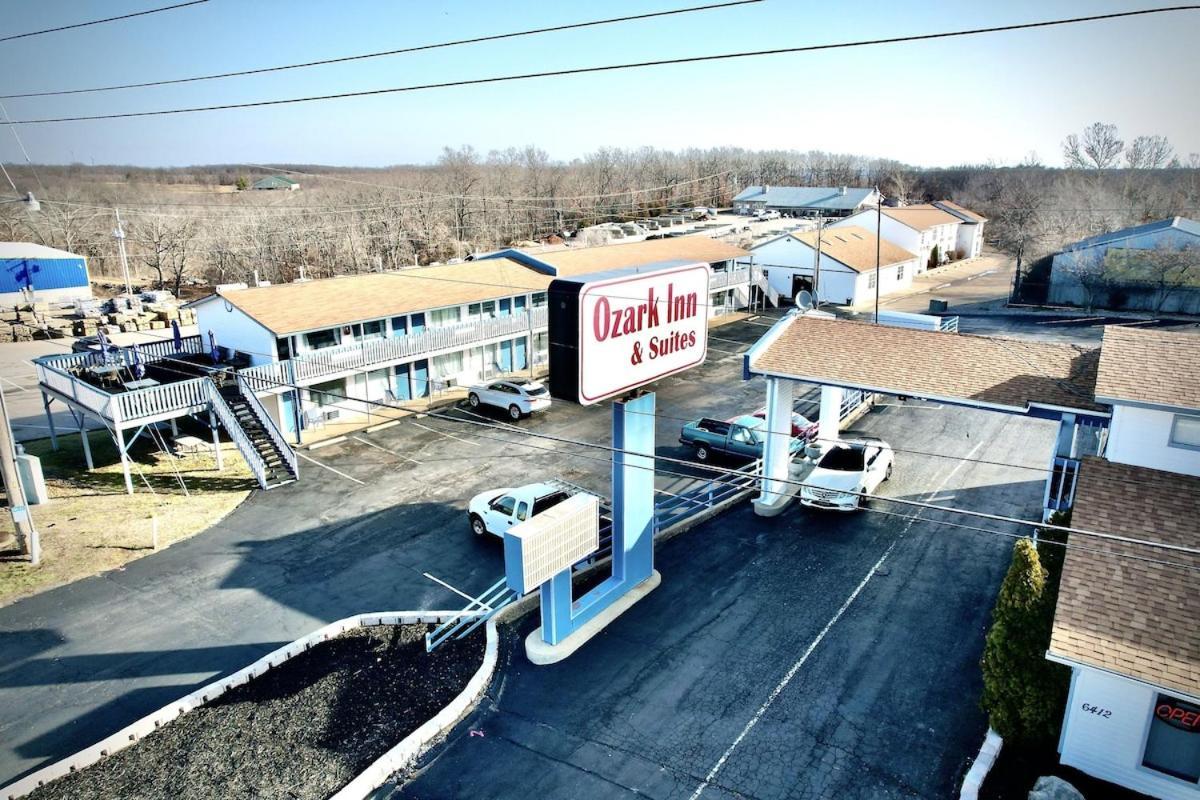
91	525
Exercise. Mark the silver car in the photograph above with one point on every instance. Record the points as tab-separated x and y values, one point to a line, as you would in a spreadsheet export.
518	398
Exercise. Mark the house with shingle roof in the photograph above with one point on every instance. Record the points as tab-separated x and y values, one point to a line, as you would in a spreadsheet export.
926	230
969	243
845	272
1126	617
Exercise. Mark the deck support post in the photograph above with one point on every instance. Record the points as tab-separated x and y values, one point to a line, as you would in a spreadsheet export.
83	438
120	437
216	437
46	401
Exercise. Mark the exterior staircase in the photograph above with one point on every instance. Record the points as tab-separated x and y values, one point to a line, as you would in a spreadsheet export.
764	285
259	440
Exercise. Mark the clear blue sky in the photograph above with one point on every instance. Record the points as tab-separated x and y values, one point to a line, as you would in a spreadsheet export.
974	99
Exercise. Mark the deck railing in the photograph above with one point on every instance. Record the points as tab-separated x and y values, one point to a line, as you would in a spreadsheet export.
285	450
316	364
67	385
151	352
733	277
154	401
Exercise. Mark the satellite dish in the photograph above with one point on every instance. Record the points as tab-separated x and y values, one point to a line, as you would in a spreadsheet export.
804	300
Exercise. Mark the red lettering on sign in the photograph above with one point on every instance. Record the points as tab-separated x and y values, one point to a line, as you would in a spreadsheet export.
600	319
1180	715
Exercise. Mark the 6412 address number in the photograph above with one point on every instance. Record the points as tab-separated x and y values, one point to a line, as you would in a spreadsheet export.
1101	712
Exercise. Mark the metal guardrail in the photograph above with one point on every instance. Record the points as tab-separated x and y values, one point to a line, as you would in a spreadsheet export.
477	612
285	450
948	324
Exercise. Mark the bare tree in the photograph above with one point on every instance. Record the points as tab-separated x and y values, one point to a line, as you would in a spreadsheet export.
1092	274
1149	152
1167	269
1018	222
1098	149
164	247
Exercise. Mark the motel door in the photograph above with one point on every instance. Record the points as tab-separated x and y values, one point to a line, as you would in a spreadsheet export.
801	283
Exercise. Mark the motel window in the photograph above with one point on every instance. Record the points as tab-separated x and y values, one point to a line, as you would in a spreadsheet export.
448	365
1173	742
329	393
539	299
399	326
443	317
477	310
318	340
900	272
870	280
1185	431
369	330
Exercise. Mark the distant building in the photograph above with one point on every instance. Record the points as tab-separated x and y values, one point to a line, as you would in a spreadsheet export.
847	266
969	242
35	272
1151	267
926	230
276	182
805	201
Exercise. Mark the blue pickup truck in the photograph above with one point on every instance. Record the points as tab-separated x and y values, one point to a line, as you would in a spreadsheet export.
740	437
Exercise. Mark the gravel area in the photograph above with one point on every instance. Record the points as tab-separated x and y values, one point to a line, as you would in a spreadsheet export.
303	730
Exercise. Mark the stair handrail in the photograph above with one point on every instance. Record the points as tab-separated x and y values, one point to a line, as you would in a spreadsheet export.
237	434
285	450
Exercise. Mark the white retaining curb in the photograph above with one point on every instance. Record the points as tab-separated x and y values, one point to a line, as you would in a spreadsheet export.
983	764
130	734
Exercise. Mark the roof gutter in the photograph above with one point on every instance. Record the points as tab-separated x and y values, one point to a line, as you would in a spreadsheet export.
1077	664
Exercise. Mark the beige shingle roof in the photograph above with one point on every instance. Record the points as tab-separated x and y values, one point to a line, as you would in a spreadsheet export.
1133	617
855	247
1147	366
293	307
581	261
922	217
985	369
966	212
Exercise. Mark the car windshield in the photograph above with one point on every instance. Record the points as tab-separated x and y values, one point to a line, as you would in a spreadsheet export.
843	459
535	391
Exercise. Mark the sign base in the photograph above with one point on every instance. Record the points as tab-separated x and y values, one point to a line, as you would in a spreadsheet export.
541	653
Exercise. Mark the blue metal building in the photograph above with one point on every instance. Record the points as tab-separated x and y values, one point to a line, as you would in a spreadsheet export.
52	275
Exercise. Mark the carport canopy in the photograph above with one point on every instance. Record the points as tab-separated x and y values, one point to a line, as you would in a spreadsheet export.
990	372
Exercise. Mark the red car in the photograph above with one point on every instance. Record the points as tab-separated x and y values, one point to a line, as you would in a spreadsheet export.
802	426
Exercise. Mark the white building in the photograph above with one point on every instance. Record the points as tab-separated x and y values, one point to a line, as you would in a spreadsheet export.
1125	627
847	272
923	229
398	336
805	201
969	243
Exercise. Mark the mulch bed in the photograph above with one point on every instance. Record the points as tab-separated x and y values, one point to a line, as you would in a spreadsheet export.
1016	771
302	730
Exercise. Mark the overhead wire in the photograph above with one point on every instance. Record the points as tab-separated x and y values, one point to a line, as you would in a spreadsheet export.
26	35
382	53
613	67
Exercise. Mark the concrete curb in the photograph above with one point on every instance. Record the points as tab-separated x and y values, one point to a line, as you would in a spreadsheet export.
130	734
978	772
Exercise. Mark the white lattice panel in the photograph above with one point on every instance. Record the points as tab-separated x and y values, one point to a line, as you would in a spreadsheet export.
557	538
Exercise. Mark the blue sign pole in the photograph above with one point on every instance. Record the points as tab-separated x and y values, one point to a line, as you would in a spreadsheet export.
633	572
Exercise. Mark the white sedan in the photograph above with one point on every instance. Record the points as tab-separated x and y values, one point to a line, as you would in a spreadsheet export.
847	472
519	399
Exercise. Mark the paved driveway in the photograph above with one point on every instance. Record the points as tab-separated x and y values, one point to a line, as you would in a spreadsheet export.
807	656
81	661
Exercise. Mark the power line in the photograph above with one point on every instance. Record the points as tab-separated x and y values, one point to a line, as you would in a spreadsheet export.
363	56
99	22
729	472
24	152
615	67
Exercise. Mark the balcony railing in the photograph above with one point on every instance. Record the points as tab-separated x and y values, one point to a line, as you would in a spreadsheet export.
151	352
722	280
317	364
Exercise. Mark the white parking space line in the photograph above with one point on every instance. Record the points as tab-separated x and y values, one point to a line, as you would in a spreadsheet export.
791	673
447	435
369	443
331	469
942	286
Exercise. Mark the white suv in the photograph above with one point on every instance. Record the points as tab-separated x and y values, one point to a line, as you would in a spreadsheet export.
847	472
518	399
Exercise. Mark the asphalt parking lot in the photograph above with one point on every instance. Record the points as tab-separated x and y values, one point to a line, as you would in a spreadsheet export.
674	682
810	655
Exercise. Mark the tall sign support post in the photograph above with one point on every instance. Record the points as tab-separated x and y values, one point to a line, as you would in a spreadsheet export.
611	333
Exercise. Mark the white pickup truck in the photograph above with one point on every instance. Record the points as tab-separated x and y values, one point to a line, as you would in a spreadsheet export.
498	510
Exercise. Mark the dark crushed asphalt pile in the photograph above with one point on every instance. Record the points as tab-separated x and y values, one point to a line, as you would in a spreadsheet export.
302	730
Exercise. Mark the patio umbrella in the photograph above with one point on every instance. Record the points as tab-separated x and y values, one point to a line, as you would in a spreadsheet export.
139	366
176	336
214	350
103	342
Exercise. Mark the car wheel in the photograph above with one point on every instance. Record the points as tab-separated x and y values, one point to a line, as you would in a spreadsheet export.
477	526
514	412
473	400
702	453
888	474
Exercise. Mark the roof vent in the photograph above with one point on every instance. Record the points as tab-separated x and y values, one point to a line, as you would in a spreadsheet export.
766	188
842	191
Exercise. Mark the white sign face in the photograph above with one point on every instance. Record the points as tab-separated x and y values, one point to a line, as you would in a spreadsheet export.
557	538
634	330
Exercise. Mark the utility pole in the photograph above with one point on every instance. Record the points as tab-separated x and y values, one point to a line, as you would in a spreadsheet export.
817	265
878	245
119	235
27	537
